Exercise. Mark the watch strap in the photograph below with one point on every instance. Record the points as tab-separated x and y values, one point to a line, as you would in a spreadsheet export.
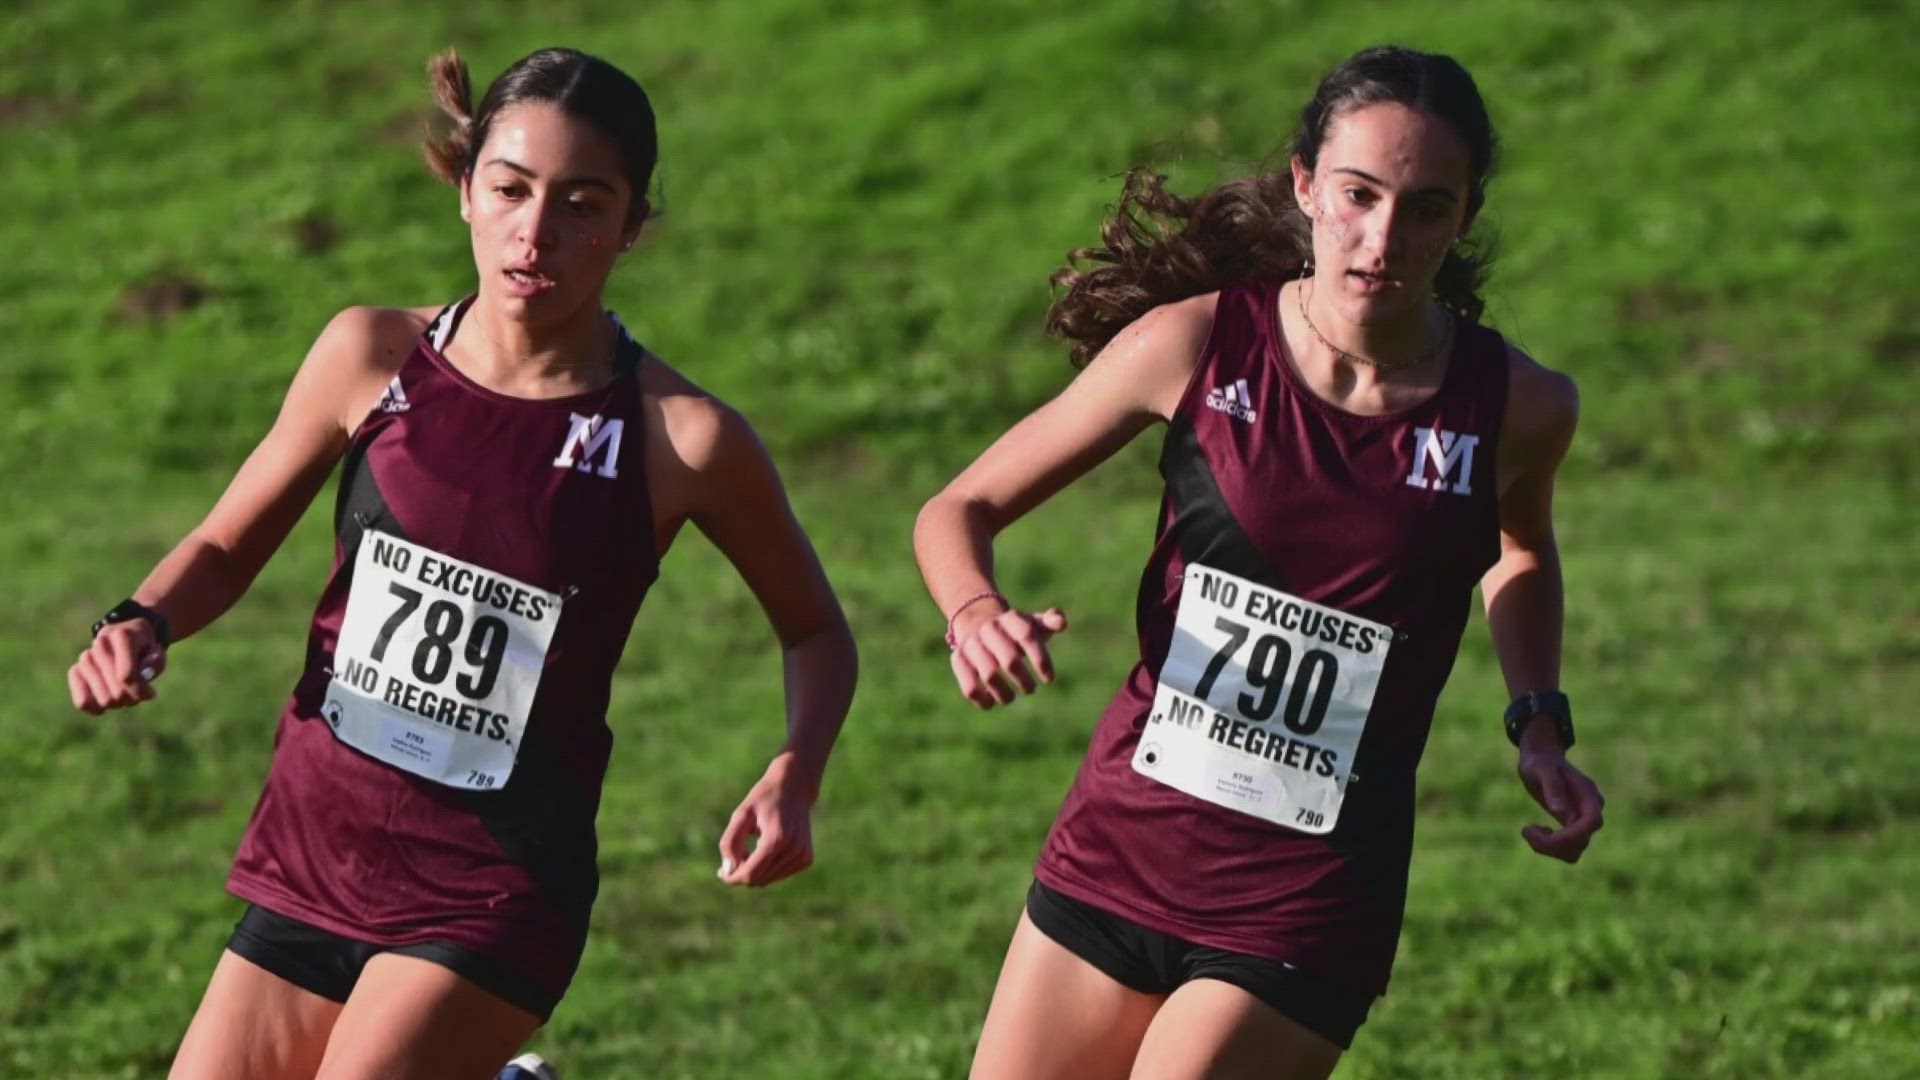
129	609
1548	703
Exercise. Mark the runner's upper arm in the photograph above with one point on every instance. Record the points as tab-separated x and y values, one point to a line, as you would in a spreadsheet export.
338	382
1543	408
1139	377
740	505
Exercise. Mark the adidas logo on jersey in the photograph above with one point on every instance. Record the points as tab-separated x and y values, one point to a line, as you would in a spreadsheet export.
394	400
1232	399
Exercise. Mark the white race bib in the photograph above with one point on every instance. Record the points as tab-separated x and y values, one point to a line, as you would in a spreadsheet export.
1262	700
437	663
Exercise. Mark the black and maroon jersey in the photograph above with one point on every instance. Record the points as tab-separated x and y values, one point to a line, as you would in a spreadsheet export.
1251	786
438	768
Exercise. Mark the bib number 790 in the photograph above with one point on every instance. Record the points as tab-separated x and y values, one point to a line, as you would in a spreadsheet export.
1270	670
1262	699
486	643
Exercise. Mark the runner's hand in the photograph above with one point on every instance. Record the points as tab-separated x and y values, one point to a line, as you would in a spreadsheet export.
996	656
780	813
1569	795
117	670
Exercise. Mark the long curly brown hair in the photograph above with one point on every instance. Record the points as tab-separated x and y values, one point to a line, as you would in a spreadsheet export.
1160	247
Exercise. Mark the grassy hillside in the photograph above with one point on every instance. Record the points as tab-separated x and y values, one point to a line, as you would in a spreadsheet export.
1703	213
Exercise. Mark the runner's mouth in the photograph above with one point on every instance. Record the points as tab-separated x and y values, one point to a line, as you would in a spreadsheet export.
526	281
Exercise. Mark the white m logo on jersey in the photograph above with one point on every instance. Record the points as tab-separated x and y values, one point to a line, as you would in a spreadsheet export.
1444	450
588	436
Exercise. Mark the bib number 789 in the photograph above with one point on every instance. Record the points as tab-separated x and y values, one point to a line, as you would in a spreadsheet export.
486	643
438	663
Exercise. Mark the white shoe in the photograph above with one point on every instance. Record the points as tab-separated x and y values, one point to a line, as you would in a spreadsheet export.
528	1067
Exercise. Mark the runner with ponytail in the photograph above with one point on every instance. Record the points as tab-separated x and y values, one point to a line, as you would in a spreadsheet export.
420	868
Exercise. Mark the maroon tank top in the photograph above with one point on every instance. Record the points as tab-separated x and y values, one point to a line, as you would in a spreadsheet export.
502	501
1338	523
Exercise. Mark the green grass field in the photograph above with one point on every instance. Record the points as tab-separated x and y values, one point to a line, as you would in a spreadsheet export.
1705	216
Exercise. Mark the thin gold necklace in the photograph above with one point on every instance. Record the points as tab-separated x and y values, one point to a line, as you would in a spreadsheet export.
613	362
1439	345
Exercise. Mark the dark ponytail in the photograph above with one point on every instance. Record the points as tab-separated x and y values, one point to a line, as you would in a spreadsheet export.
1160	247
449	154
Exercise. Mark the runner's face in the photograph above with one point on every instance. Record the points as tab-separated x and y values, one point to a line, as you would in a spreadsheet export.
548	204
1387	199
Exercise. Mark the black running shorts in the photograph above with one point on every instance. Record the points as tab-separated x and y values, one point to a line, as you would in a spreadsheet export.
1154	963
324	963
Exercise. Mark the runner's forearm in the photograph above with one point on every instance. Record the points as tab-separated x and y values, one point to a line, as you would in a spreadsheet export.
953	541
1526	607
195	584
821	671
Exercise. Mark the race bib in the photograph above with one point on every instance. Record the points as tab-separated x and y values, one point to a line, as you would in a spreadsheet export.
1262	700
437	663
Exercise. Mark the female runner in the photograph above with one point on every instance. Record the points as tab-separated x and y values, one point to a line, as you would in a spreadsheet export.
1347	453
420	867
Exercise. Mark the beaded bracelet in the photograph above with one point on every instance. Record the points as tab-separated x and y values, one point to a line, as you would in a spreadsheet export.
970	601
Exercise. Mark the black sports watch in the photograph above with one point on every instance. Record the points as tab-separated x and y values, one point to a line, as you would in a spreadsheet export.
129	609
1549	703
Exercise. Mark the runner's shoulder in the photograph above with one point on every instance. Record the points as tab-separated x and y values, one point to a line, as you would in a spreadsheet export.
374	337
697	429
1176	331
1543	405
357	353
369	339
1152	358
